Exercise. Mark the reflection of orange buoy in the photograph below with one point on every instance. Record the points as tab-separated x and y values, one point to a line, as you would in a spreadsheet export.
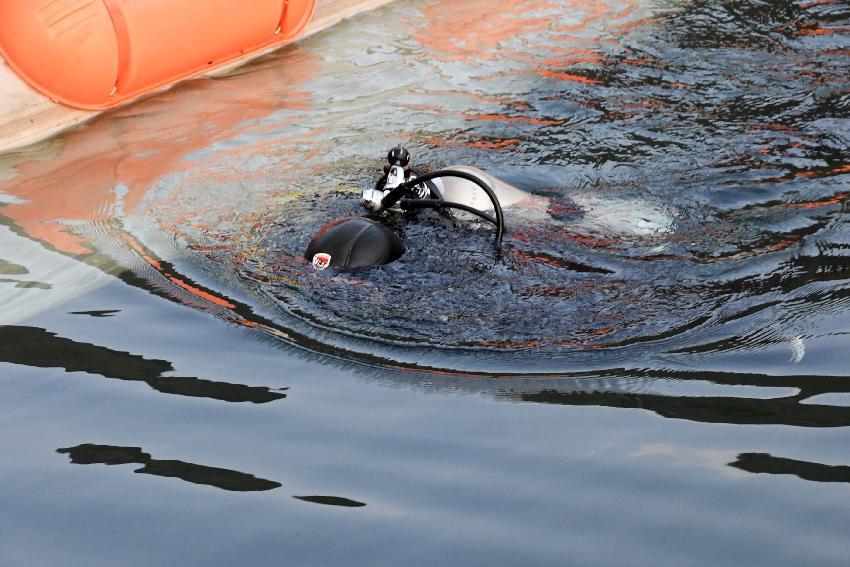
95	54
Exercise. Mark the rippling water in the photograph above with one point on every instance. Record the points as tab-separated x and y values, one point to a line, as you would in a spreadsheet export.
692	183
685	256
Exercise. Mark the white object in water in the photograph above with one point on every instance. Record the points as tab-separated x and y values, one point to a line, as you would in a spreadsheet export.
609	216
798	349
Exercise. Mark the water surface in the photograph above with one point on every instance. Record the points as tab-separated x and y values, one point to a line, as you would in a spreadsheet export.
653	370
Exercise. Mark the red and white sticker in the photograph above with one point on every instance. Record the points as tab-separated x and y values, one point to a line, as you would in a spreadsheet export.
321	261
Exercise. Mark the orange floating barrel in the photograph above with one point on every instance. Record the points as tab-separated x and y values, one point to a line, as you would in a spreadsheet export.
95	54
66	49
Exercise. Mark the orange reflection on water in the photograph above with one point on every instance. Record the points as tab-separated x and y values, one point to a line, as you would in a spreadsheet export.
821	31
555	40
834	200
135	146
458	30
479	28
837	170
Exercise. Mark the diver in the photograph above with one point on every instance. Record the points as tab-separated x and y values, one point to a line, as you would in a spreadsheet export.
362	241
358	242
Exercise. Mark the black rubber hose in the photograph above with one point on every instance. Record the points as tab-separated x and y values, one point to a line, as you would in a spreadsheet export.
408	204
394	195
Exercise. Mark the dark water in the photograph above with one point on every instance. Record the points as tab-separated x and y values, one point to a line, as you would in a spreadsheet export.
654	370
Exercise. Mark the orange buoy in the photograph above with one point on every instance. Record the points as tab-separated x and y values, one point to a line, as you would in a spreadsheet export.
95	54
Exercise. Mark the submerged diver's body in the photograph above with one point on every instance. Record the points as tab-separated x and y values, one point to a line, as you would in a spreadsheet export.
613	216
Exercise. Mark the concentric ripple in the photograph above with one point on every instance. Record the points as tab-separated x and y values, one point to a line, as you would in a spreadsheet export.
688	164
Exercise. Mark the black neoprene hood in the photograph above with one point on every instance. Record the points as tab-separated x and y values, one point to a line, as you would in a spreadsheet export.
355	242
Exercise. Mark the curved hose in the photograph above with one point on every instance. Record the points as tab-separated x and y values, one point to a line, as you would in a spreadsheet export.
393	196
408	204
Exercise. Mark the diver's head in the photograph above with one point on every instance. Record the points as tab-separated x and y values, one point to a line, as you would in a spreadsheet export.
354	242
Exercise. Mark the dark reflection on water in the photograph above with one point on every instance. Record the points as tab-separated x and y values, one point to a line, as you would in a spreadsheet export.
40	348
97	312
12	268
88	454
225	479
26	284
708	409
641	389
331	501
764	463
